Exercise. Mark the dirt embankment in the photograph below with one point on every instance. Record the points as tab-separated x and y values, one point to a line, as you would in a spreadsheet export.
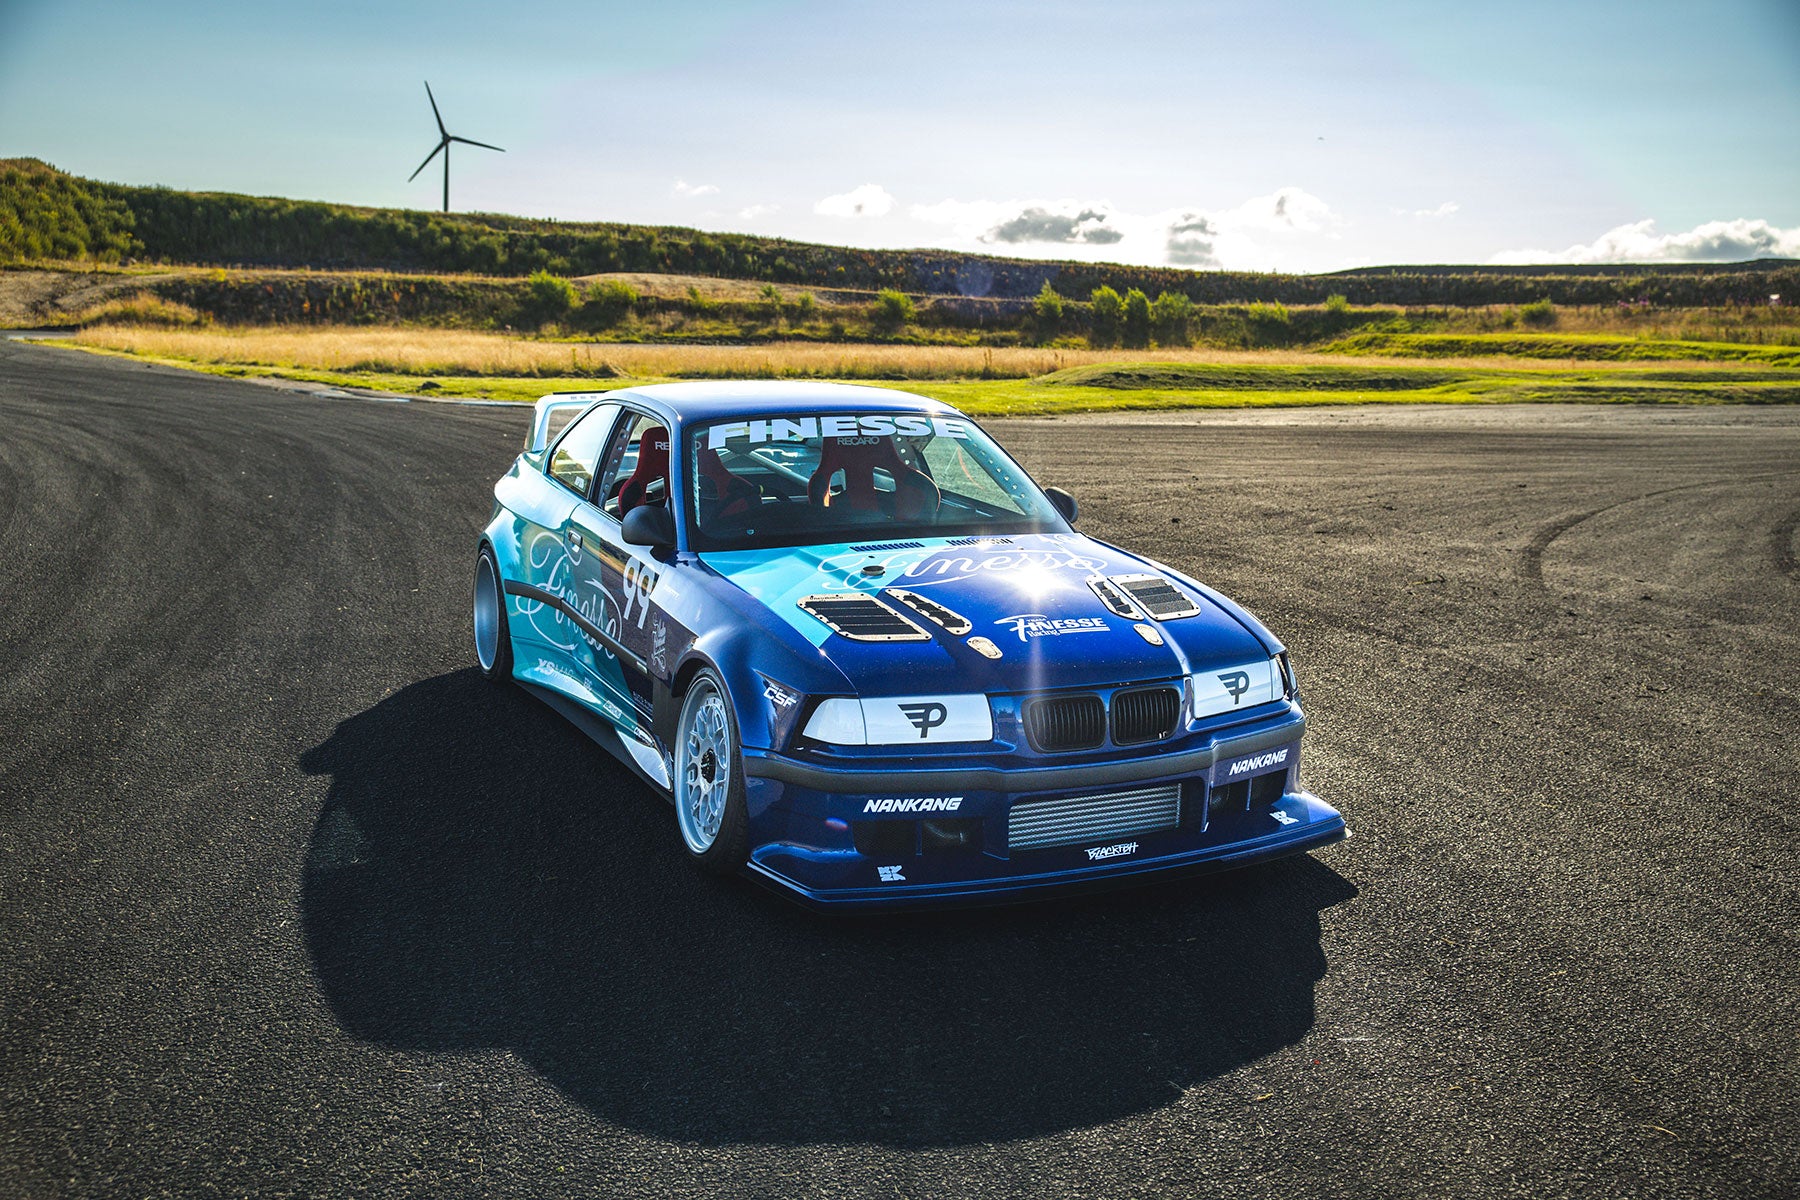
31	299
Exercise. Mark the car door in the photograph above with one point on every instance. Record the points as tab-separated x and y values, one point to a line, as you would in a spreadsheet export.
633	471
548	562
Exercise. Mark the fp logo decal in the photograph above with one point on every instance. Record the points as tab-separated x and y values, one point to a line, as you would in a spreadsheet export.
926	717
1236	682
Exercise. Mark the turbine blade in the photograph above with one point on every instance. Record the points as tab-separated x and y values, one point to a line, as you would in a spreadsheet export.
483	145
427	162
434	109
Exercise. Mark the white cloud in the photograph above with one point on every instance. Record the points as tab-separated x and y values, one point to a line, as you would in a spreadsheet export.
757	210
1285	212
684	188
1430	214
869	200
1280	231
1714	241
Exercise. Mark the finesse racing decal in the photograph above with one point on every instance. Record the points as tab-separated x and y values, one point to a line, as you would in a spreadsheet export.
1032	625
862	428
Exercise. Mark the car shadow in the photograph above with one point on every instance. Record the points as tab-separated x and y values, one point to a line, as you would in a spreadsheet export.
481	875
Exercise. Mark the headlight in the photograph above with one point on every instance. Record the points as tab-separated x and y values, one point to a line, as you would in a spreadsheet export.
901	721
1227	689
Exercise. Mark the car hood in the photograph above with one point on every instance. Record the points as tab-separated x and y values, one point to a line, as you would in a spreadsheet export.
1028	595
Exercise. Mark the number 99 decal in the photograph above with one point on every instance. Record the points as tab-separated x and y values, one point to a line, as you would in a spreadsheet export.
635	589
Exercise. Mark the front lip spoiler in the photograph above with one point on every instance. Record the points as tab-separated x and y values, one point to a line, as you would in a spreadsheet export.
1015	780
1020	889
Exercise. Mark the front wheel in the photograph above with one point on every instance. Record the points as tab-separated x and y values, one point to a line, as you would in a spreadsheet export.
709	783
493	640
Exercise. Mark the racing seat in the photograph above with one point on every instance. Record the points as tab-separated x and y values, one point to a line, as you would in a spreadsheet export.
916	497
652	465
723	494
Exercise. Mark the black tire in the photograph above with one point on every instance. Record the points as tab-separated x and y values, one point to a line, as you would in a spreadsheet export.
706	745
493	636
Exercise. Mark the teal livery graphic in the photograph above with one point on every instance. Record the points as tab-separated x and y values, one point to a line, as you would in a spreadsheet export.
870	661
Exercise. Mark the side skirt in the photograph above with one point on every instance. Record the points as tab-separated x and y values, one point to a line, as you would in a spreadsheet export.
643	760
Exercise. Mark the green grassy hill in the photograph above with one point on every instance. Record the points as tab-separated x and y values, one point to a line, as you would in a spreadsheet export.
47	214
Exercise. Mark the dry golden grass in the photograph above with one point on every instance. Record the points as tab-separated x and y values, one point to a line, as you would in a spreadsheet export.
424	352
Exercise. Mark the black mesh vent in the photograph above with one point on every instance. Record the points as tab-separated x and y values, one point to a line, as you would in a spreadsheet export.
979	541
874	546
1144	715
1158	597
863	619
1065	723
952	622
1116	601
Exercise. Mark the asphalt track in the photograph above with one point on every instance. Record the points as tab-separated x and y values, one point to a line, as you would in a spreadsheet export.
294	904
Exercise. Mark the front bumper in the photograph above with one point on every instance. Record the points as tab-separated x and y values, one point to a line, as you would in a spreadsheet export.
1237	795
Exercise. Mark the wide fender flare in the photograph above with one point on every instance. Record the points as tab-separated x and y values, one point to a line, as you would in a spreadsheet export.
746	659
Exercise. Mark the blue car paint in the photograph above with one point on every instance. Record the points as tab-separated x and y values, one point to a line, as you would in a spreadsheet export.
735	613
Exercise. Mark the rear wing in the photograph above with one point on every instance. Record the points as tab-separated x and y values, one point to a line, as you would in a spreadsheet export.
552	414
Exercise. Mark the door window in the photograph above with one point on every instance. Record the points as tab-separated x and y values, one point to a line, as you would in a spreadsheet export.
578	450
637	466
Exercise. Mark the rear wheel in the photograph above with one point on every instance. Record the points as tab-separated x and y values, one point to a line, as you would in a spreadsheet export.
493	640
709	778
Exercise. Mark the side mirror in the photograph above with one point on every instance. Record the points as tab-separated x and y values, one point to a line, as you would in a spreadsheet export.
1065	504
649	525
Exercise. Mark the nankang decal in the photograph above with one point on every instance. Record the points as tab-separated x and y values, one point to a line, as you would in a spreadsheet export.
915	804
1117	851
1035	625
1273	758
865	429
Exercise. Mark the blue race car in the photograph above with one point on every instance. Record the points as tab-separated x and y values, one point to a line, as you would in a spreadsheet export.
870	660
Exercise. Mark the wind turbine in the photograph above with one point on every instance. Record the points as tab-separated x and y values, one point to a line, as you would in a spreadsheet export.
445	138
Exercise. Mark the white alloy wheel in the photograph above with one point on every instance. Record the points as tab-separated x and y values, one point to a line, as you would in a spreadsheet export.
487	614
705	759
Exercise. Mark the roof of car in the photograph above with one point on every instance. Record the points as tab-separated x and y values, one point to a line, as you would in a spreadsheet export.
738	398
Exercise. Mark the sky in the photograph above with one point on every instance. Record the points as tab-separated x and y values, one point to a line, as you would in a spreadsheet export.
1292	135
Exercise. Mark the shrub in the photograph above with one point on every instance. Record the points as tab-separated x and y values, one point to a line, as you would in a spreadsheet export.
770	295
1137	318
1541	313
1171	317
1337	304
893	309
548	297
805	306
1048	309
1267	314
1109	315
697	303
610	300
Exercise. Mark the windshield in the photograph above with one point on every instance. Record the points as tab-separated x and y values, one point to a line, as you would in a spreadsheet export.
817	479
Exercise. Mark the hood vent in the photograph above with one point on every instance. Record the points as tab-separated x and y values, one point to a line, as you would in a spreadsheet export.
950	622
1157	596
862	618
1116	601
875	546
979	541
